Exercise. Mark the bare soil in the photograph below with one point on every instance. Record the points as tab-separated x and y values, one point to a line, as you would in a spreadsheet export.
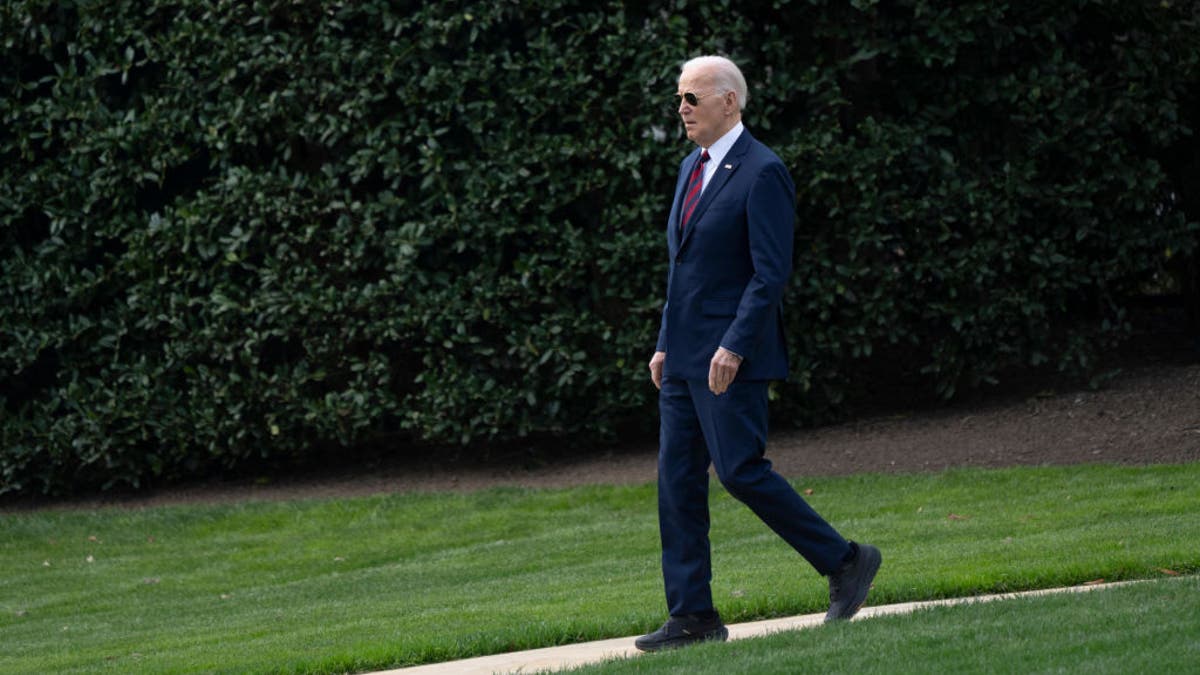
1149	413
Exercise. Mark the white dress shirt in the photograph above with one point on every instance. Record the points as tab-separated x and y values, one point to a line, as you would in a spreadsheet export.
717	153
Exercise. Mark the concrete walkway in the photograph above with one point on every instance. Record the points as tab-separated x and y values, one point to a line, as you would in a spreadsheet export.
566	656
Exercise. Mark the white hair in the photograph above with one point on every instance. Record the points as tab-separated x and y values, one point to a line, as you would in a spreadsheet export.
725	74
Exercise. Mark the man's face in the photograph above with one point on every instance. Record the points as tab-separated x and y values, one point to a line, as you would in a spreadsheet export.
711	116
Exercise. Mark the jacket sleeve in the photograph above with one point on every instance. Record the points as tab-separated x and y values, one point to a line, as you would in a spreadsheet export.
661	345
770	218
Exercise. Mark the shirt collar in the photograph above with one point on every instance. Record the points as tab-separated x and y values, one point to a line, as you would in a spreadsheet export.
718	150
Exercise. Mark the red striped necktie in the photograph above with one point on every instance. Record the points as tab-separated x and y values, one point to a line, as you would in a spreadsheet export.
695	183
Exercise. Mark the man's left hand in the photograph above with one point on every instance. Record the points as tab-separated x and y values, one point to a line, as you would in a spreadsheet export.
722	369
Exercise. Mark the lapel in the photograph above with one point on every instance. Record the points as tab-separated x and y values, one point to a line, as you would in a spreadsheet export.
729	164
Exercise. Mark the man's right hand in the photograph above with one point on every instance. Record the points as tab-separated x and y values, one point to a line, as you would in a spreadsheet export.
656	366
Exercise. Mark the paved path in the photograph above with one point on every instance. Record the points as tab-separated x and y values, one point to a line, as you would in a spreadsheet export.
566	656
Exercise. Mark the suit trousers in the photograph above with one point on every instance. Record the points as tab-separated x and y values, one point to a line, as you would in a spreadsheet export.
730	432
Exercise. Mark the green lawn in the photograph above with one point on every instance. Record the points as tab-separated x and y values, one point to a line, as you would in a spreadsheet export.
343	585
1151	627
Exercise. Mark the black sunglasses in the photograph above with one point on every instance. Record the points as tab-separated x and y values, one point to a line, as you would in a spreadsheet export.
691	98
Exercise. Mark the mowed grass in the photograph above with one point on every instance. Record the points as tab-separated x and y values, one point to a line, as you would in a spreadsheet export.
326	586
1151	627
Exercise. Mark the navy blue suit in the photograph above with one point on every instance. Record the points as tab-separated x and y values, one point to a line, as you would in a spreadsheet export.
728	271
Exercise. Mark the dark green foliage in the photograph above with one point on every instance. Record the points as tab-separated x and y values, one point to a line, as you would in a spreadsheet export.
258	231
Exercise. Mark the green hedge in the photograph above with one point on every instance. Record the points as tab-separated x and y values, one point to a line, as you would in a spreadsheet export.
240	232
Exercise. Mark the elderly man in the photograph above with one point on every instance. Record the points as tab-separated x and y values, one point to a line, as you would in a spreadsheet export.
729	235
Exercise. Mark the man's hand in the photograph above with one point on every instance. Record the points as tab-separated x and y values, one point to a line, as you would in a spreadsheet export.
656	366
722	369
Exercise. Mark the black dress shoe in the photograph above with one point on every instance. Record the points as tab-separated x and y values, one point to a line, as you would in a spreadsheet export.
848	586
684	630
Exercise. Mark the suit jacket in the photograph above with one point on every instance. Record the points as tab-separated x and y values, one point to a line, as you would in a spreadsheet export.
729	267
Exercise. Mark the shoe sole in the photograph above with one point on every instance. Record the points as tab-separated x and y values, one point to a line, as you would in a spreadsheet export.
874	559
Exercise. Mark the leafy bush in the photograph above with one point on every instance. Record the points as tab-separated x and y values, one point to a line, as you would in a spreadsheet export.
261	231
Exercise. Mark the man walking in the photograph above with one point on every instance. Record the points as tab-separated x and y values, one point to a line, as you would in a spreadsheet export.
729	235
